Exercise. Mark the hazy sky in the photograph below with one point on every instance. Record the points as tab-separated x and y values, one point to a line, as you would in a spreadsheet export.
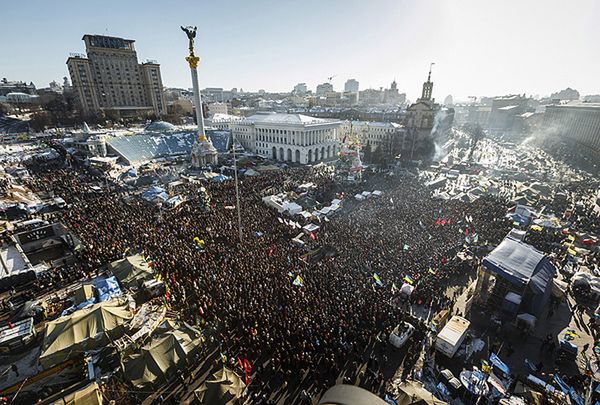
480	47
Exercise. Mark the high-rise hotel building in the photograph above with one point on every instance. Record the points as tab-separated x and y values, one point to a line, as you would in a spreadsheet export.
109	78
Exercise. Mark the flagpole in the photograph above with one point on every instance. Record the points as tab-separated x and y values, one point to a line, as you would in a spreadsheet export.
237	190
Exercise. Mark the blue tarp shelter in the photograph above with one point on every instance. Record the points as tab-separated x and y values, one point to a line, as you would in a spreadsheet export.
499	364
525	268
220	178
108	288
155	192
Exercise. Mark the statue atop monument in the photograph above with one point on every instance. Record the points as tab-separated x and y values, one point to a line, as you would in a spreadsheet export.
203	151
191	34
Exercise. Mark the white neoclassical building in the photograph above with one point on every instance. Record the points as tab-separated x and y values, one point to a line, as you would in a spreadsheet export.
288	137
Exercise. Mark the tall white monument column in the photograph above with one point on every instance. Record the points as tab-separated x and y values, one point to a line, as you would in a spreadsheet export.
197	99
203	151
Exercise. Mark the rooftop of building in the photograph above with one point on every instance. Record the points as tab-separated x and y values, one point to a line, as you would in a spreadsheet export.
160	126
290	119
150	145
375	124
510	97
11	83
220	117
575	104
105	37
508	107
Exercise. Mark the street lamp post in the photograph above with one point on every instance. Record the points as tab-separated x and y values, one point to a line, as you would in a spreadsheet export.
237	190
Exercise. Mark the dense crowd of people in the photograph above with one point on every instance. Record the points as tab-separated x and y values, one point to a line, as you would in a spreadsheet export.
292	334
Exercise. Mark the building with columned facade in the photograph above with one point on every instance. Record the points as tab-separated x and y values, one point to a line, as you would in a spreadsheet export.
575	121
294	138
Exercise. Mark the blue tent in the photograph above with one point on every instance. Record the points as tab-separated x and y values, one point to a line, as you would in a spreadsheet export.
220	178
523	266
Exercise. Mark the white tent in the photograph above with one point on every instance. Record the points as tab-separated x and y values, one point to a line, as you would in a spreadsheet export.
325	210
407	289
528	319
292	208
310	228
306	214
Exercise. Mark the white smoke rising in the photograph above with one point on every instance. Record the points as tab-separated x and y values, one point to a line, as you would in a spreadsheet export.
439	139
439	153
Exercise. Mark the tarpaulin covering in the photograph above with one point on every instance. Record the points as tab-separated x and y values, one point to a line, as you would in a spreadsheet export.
87	329
155	192
168	352
131	271
83	293
108	288
88	395
224	388
499	364
521	264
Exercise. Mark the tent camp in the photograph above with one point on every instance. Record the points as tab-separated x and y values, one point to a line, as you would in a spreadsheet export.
88	395
86	329
156	361
224	388
521	270
413	393
131	271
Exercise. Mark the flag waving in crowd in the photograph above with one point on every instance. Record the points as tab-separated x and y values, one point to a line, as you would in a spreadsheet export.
298	281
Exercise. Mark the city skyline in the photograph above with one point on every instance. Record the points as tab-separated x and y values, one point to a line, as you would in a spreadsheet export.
478	49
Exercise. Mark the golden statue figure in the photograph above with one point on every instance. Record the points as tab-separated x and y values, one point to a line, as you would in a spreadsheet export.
191	34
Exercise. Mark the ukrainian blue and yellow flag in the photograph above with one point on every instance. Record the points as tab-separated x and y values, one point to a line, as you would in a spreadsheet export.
299	281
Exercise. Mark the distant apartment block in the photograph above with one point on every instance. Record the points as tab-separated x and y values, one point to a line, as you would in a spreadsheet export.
324	88
109	78
300	89
351	86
